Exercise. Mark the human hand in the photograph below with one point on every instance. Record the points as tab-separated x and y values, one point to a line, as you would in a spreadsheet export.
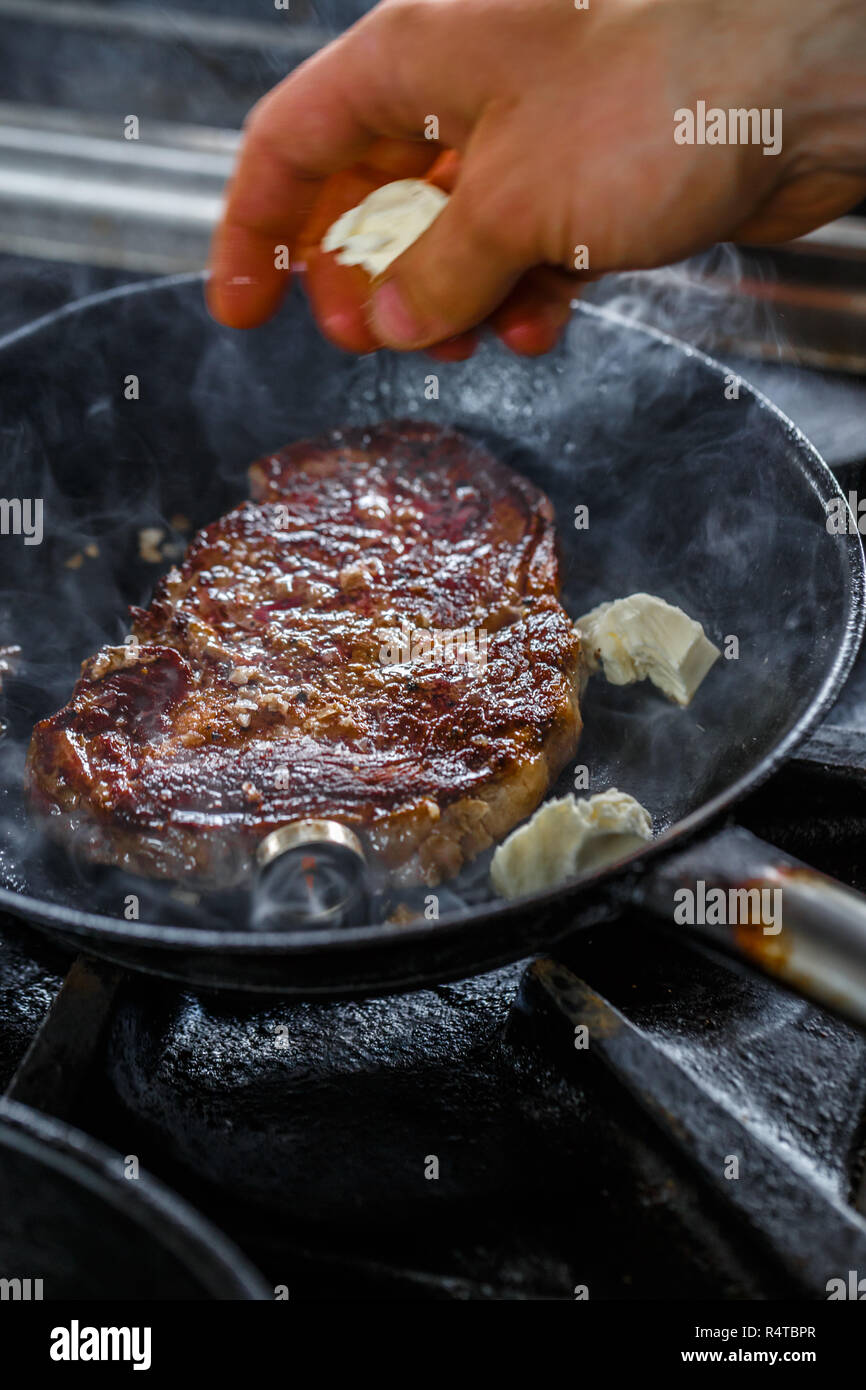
560	124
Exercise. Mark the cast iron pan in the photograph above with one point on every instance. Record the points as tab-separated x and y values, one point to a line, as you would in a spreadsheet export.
697	489
71	1218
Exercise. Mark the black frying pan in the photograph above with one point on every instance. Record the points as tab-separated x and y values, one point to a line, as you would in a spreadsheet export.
697	489
71	1219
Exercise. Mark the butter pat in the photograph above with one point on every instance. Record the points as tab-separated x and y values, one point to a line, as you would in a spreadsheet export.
380	228
642	637
567	838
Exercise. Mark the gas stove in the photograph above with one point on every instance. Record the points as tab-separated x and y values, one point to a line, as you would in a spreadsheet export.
457	1142
454	1143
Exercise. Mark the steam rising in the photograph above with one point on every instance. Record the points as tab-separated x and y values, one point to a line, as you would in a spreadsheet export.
703	301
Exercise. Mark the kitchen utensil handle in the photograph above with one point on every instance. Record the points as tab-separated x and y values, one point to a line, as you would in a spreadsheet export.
754	902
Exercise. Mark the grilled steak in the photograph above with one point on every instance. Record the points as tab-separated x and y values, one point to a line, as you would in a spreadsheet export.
375	639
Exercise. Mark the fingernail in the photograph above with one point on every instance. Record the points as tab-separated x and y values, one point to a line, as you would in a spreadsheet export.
391	319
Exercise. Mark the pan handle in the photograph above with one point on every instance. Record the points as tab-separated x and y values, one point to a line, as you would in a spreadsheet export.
775	913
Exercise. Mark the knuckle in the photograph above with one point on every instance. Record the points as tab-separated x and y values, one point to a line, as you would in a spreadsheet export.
257	116
260	125
404	33
406	20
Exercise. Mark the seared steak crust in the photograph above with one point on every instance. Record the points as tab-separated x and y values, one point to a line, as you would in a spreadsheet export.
271	678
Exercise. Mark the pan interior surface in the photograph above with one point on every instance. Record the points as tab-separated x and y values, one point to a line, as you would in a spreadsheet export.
133	411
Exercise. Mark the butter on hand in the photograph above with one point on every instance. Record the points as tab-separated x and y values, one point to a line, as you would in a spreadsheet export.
380	228
566	838
642	637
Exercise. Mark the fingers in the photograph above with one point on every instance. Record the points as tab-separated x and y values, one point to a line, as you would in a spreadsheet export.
338	293
286	193
455	349
301	141
248	273
534	314
381	78
324	117
466	263
291	142
448	282
445	170
529	322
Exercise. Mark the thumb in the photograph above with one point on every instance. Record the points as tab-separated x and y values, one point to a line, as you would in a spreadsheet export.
453	276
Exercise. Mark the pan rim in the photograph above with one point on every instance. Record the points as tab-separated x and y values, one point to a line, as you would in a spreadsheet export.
77	923
187	1235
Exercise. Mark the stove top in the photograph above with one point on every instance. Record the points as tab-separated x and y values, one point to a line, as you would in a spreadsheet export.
454	1143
